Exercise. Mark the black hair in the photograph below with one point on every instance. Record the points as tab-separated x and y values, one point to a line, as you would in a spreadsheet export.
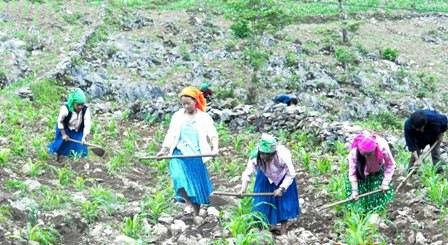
418	119
294	101
360	165
261	163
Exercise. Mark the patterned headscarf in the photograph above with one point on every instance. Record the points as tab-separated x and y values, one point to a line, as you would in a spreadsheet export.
366	142
195	93
267	144
77	96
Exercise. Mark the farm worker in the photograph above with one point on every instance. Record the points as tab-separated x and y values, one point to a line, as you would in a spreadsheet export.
422	128
285	99
371	167
73	122
275	173
190	130
205	89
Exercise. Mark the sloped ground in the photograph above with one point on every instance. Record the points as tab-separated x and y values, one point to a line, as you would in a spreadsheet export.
38	35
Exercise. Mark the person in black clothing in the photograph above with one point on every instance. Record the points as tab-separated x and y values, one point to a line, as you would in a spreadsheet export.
422	128
206	91
285	99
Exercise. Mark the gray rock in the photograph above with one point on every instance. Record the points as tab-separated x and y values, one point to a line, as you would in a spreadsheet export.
124	240
420	239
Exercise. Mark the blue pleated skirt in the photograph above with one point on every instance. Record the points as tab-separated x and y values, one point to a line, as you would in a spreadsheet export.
68	148
276	209
190	174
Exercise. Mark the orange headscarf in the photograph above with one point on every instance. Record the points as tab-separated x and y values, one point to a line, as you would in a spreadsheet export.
195	93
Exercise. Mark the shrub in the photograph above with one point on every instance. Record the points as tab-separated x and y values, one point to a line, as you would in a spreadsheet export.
390	54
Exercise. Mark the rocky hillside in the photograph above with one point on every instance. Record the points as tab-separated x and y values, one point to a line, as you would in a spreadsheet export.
132	59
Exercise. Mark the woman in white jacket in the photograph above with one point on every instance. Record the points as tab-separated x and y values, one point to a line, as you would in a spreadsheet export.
190	132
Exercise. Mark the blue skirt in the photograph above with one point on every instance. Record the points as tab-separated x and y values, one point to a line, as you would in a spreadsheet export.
190	174
276	209
68	148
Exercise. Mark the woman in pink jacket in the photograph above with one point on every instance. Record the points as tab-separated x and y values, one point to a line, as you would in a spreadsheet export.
371	167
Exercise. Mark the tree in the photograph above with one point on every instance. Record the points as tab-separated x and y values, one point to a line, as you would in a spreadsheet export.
253	19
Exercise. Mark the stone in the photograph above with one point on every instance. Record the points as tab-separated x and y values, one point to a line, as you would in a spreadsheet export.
420	239
124	240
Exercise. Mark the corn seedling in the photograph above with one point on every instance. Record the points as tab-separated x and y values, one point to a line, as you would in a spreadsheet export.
336	187
436	184
243	224
36	169
90	211
132	227
15	184
53	199
65	175
356	229
79	183
323	166
45	235
154	205
117	163
108	199
5	213
4	157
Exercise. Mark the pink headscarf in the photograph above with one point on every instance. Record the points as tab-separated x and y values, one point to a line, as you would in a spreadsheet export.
366	142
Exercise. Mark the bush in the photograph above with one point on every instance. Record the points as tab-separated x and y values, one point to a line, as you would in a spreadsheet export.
241	29
345	56
390	54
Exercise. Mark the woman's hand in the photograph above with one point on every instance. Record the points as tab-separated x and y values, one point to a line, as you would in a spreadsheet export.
65	137
355	195
162	152
214	151
279	192
384	188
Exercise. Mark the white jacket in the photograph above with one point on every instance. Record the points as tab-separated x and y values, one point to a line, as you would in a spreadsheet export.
205	128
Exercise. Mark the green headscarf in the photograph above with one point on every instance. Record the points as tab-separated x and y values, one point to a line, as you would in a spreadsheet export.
77	96
267	144
205	85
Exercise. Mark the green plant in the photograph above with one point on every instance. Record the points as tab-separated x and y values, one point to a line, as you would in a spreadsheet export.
346	57
38	233
154	205
356	229
53	199
5	213
108	199
118	163
46	92
322	165
15	184
244	224
37	168
390	54
4	157
132	227
65	175
90	211
79	183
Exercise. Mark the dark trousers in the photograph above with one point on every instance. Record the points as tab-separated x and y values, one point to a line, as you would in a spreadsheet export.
435	155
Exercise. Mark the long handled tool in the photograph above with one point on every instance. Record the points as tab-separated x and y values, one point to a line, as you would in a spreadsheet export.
176	156
348	199
98	150
224	198
421	159
260	194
